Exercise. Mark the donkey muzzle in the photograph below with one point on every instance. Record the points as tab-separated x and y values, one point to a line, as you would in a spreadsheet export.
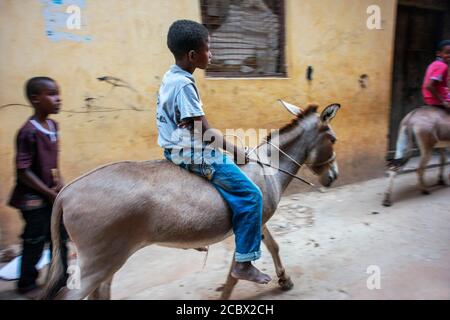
330	176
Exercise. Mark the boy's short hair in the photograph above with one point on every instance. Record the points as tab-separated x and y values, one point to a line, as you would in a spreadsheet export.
443	44
34	85
184	36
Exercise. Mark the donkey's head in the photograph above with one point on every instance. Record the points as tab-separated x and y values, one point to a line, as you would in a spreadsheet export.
321	158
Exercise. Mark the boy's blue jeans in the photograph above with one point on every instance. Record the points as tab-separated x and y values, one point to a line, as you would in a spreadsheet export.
243	197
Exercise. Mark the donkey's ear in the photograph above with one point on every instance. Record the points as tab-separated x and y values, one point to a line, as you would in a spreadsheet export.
296	111
330	112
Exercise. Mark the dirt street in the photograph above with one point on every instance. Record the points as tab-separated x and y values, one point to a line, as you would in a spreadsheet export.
328	243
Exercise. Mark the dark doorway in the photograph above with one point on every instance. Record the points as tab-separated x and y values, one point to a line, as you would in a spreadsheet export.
418	31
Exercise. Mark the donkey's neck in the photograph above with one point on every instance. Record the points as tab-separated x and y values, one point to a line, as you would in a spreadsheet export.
295	142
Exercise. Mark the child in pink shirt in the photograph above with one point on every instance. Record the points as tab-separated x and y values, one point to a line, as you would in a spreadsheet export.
435	86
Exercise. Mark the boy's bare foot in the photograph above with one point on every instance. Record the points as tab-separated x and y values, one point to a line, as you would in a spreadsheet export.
246	271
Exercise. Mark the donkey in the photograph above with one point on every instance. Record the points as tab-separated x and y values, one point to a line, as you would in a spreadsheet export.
430	126
113	211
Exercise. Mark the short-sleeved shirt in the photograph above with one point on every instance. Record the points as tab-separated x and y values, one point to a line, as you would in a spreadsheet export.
437	71
37	150
178	99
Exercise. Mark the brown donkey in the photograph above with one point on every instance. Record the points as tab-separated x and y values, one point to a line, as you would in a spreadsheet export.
430	126
114	210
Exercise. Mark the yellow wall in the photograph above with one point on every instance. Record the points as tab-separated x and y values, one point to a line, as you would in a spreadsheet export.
128	42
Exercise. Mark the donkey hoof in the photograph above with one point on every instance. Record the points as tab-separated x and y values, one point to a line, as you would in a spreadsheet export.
285	284
442	182
220	288
387	203
426	192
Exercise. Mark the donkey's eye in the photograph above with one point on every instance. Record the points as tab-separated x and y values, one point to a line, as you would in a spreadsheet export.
333	139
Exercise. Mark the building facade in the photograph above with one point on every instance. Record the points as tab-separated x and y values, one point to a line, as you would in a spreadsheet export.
110	56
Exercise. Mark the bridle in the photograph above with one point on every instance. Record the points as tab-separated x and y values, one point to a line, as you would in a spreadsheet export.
328	161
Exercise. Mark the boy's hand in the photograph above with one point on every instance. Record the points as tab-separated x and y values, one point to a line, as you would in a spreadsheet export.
28	178
58	187
51	195
241	155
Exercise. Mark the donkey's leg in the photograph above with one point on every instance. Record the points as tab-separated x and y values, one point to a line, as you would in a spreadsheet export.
441	180
103	292
97	266
91	278
387	202
425	141
284	281
230	283
425	157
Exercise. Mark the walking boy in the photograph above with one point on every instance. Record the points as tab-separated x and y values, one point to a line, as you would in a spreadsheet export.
38	179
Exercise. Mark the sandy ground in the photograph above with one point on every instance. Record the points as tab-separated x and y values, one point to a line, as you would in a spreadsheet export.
327	243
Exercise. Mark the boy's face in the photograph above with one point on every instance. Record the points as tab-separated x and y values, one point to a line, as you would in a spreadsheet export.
444	54
48	100
202	56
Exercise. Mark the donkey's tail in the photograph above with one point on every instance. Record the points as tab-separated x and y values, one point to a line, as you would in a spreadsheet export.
403	149
56	277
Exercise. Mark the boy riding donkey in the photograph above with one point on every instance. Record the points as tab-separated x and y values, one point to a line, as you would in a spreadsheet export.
181	124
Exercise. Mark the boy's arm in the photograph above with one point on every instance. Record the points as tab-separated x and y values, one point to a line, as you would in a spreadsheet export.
57	179
60	183
28	178
219	140
432	88
25	145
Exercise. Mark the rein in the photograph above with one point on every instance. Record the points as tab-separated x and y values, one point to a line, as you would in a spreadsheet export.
284	171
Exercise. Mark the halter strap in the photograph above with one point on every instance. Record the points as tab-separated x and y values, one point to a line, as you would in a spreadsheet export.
331	159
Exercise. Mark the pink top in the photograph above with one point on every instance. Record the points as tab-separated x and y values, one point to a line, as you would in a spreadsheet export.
438	71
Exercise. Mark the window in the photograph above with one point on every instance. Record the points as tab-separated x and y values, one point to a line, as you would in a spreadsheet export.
247	37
